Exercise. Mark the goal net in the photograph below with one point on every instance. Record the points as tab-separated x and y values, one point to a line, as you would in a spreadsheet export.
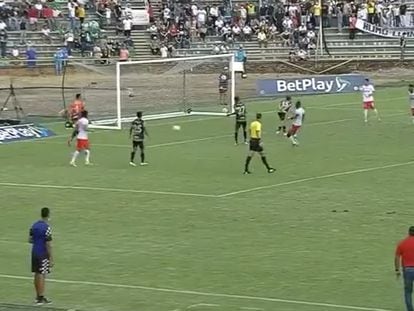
167	88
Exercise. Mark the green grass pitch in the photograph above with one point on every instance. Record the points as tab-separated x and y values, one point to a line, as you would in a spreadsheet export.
190	232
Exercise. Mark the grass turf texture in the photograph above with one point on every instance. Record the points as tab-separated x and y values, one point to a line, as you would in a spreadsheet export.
278	242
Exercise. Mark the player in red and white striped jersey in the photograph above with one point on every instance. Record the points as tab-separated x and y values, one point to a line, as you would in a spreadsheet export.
298	119
368	99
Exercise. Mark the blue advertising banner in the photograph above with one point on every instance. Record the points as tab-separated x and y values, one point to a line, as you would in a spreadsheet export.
310	85
21	132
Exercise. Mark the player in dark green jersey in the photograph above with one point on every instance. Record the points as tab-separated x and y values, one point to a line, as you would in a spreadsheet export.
224	86
241	120
284	108
137	133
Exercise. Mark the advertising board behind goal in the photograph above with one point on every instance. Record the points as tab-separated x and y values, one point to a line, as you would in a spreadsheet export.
14	133
330	84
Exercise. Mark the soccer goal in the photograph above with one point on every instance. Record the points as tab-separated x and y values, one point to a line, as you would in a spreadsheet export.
168	88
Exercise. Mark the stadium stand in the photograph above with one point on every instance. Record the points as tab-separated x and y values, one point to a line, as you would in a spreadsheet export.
200	28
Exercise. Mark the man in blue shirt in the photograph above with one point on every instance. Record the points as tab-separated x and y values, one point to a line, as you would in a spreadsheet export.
240	56
31	57
40	237
59	58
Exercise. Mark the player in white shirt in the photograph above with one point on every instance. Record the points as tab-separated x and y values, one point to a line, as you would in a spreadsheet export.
411	99
298	118
368	99
82	141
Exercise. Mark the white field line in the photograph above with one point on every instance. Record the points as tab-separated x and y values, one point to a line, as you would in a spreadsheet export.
12	242
187	194
302	180
103	189
199	293
197	305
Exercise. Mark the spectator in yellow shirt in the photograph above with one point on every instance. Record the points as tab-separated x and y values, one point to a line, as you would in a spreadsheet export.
81	14
317	9
251	10
371	12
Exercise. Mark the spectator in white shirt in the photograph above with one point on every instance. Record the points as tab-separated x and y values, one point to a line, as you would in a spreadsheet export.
293	9
201	17
127	11
262	39
216	50
247	32
38	6
108	16
46	33
380	12
225	32
97	52
219	25
236	30
166	14
287	23
72	15
15	52
70	42
302	54
302	30
2	25
153	30
286	37
273	32
194	10
224	49
164	51
127	22
363	13
312	45
397	17
311	35
243	13
214	12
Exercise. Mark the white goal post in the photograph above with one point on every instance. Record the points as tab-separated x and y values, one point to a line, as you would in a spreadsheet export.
171	87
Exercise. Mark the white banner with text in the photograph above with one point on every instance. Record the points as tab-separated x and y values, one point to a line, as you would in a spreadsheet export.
383	32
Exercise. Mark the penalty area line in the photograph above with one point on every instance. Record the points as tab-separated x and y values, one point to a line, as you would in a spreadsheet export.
303	180
199	293
103	189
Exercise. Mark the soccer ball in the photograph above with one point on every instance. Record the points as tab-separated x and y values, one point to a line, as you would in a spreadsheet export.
176	127
244	76
225	110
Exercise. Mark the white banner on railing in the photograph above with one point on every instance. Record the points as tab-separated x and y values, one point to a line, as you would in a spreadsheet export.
383	32
140	17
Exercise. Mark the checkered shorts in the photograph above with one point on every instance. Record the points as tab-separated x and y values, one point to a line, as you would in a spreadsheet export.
40	264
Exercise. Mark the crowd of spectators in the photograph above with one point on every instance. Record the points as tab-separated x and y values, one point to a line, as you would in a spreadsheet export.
180	24
66	28
285	23
290	23
384	13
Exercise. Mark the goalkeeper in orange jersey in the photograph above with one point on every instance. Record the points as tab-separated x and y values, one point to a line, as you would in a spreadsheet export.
73	114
